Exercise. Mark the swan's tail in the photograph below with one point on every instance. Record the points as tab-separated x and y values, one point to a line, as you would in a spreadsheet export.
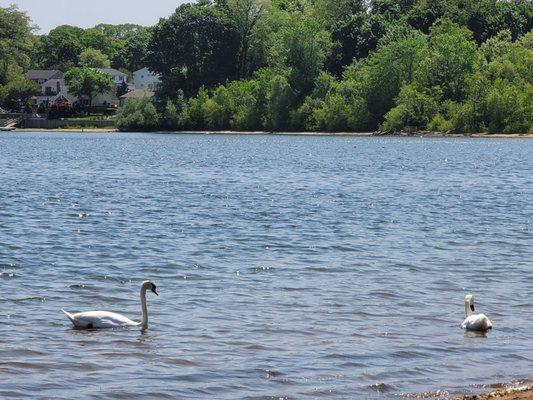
69	315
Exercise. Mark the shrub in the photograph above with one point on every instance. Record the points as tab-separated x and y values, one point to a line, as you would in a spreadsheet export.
138	114
413	109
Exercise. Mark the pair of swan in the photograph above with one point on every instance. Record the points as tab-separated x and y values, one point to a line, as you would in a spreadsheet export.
106	319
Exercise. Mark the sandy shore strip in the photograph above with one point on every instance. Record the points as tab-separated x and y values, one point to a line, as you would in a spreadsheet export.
356	134
518	393
67	130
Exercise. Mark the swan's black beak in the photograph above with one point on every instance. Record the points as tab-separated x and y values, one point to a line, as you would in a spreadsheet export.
153	290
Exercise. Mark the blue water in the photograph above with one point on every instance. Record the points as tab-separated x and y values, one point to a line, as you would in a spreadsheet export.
288	267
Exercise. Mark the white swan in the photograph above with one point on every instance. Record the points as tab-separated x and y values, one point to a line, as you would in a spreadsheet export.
474	322
106	319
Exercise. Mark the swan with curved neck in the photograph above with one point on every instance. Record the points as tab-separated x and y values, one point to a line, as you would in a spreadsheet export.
474	322
106	319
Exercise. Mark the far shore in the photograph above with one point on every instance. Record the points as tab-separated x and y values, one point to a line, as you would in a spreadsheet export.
356	134
519	393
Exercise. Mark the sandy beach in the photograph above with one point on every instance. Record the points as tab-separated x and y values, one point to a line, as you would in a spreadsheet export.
519	393
356	134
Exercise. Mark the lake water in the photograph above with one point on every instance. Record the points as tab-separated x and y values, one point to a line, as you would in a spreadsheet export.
287	267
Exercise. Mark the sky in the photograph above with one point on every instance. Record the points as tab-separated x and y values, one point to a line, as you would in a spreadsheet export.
48	14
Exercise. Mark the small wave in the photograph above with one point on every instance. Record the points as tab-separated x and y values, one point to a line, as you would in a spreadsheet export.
257	270
181	362
30	298
25	365
7	275
77	286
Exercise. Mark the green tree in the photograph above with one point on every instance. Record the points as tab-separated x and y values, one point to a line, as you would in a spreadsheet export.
16	90
245	14
132	53
138	114
61	47
205	54
92	58
86	82
301	46
452	58
414	109
16	46
16	40
398	60
279	99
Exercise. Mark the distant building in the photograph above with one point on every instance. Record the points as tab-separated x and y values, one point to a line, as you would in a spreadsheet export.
62	97
118	77
135	94
145	79
53	86
40	76
49	91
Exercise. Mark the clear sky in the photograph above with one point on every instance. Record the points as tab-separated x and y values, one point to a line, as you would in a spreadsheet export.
48	14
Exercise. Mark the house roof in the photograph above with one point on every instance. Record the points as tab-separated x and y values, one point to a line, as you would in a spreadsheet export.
145	70
141	69
53	82
67	96
43	73
136	94
111	71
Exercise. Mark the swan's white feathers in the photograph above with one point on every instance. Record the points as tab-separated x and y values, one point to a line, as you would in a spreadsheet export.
477	322
474	322
100	320
106	319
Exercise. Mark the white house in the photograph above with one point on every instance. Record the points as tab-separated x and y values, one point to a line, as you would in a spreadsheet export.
118	77
145	79
53	87
49	91
40	76
136	94
108	99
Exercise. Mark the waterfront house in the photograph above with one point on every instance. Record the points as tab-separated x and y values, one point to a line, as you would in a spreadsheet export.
110	99
118	77
135	94
145	79
53	86
49	91
41	76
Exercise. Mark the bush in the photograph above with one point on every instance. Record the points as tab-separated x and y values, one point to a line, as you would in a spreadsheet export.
138	114
413	109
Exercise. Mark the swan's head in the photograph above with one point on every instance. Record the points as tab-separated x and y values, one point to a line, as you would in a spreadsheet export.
469	302
149	285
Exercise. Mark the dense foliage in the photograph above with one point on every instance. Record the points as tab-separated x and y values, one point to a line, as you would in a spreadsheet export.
343	65
332	65
16	44
87	83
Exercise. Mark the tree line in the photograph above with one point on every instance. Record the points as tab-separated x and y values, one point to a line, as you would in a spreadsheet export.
329	65
73	50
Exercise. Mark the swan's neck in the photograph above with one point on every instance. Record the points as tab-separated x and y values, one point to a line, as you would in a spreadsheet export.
468	311
144	310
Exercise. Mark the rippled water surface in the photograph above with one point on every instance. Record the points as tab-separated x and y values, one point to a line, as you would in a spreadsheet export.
288	267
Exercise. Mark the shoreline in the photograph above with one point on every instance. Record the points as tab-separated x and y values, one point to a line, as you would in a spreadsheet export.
251	133
516	393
